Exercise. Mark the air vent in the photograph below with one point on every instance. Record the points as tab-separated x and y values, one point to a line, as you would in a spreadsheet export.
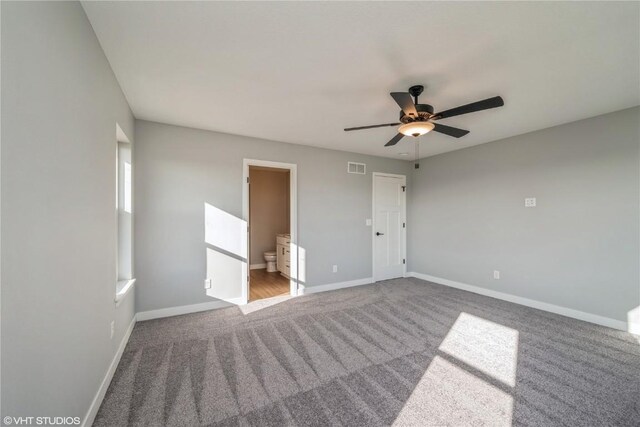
359	168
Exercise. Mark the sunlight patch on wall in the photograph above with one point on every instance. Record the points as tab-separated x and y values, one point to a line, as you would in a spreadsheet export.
449	395
633	321
298	263
225	231
225	273
226	238
484	345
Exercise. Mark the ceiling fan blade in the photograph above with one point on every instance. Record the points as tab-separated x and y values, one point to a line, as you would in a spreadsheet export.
403	99
372	126
448	130
394	140
485	104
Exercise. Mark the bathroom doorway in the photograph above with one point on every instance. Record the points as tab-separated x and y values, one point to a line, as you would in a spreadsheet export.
269	212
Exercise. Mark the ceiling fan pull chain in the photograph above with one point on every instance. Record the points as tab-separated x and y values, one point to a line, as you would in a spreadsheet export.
417	155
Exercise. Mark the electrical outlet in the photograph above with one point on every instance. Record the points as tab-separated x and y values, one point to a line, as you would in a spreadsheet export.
335	268
496	274
368	222
113	328
207	283
530	202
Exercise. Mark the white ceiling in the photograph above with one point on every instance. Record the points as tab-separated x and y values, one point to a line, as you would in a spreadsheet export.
300	72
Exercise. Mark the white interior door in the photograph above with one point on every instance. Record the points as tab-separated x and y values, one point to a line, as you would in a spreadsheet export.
389	225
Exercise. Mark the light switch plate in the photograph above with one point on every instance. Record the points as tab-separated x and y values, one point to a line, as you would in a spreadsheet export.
207	283
530	202
368	222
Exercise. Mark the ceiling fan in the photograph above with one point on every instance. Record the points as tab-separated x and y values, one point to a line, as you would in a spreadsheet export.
417	119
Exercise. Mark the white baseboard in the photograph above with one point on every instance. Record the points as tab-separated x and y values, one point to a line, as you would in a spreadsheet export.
97	400
564	311
303	290
186	309
257	266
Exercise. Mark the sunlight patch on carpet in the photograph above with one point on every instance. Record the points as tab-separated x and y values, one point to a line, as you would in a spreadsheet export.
484	345
449	395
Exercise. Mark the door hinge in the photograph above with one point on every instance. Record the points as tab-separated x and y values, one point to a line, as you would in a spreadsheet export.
247	180
404	225
404	187
404	261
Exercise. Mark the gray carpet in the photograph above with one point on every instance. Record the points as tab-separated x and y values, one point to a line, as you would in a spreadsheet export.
402	352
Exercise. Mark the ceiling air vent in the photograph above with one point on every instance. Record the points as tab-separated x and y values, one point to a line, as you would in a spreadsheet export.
359	168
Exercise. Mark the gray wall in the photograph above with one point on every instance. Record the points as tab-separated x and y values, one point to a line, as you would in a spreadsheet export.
179	169
60	105
578	248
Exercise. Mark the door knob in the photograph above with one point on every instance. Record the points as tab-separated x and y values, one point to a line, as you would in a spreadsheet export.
379	234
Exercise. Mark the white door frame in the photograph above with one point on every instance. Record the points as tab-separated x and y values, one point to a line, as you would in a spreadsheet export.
403	232
293	217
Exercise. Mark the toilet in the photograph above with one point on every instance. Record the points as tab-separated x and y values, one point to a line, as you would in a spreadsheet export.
270	258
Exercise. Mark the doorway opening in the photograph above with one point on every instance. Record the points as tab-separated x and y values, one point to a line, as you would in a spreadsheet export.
269	210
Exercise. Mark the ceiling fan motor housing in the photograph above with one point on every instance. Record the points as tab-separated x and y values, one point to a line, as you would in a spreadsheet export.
425	111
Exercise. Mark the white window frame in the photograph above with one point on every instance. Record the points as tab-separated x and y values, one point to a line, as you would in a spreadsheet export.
124	207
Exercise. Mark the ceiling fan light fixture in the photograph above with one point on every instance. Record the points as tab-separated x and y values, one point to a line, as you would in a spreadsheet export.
416	128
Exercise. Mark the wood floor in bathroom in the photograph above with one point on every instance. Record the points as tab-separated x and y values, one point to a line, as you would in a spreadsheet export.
267	285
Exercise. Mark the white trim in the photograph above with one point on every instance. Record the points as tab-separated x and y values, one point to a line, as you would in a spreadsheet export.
293	216
186	309
122	289
304	290
564	311
257	266
392	175
97	400
373	222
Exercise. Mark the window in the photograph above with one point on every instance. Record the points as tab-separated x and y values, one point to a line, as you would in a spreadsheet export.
127	187
124	208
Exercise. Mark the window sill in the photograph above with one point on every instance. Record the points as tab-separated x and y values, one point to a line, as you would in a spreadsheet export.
122	289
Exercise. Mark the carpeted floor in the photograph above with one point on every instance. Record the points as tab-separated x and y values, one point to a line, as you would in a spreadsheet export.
403	352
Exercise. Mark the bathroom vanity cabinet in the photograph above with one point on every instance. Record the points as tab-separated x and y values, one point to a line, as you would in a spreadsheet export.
283	253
